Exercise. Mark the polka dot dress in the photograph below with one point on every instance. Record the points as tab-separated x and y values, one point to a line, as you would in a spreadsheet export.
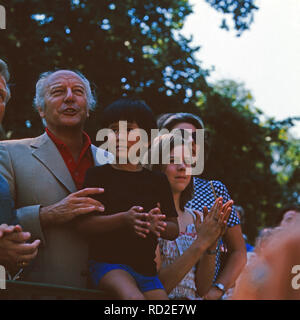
204	196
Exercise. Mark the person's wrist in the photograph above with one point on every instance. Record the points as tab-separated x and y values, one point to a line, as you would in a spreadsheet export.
200	245
212	249
46	218
127	218
206	244
124	218
220	288
211	252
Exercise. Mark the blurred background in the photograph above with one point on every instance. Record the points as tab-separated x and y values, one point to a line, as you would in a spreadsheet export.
235	63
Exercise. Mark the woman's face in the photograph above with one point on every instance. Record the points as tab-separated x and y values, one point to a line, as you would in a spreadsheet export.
176	170
191	128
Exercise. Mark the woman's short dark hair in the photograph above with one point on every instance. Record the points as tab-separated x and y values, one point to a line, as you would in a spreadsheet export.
158	148
130	110
170	120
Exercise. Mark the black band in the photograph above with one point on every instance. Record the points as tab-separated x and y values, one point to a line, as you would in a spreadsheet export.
211	252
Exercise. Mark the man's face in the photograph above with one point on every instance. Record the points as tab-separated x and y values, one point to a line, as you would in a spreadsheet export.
65	101
3	95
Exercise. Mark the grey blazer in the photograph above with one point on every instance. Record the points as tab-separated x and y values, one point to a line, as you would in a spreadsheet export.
37	176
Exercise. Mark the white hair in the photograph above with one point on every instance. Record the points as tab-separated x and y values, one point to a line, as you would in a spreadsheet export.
39	99
4	73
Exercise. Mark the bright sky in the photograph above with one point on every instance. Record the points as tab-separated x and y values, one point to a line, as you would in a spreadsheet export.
266	58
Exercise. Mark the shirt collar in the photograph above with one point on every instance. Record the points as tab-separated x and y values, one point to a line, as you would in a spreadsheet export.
86	140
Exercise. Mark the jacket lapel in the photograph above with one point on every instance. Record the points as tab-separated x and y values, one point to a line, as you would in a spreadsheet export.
47	153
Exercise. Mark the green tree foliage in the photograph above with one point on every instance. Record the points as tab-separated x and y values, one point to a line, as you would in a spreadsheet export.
242	13
134	48
127	47
124	47
260	161
287	161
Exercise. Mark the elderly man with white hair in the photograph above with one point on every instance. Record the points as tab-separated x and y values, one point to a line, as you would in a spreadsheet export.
14	251
46	175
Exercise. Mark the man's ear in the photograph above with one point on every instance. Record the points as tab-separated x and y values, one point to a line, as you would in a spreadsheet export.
41	112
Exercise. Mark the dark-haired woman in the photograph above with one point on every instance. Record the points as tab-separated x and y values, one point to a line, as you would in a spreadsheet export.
186	265
205	193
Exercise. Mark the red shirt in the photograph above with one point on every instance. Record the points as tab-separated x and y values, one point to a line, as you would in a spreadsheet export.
85	161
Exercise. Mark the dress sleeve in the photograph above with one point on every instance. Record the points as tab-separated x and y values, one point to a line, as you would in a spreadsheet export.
222	191
166	196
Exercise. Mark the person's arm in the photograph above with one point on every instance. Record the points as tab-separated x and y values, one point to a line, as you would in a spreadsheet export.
172	274
205	270
206	266
207	233
95	224
29	218
235	262
72	206
237	256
